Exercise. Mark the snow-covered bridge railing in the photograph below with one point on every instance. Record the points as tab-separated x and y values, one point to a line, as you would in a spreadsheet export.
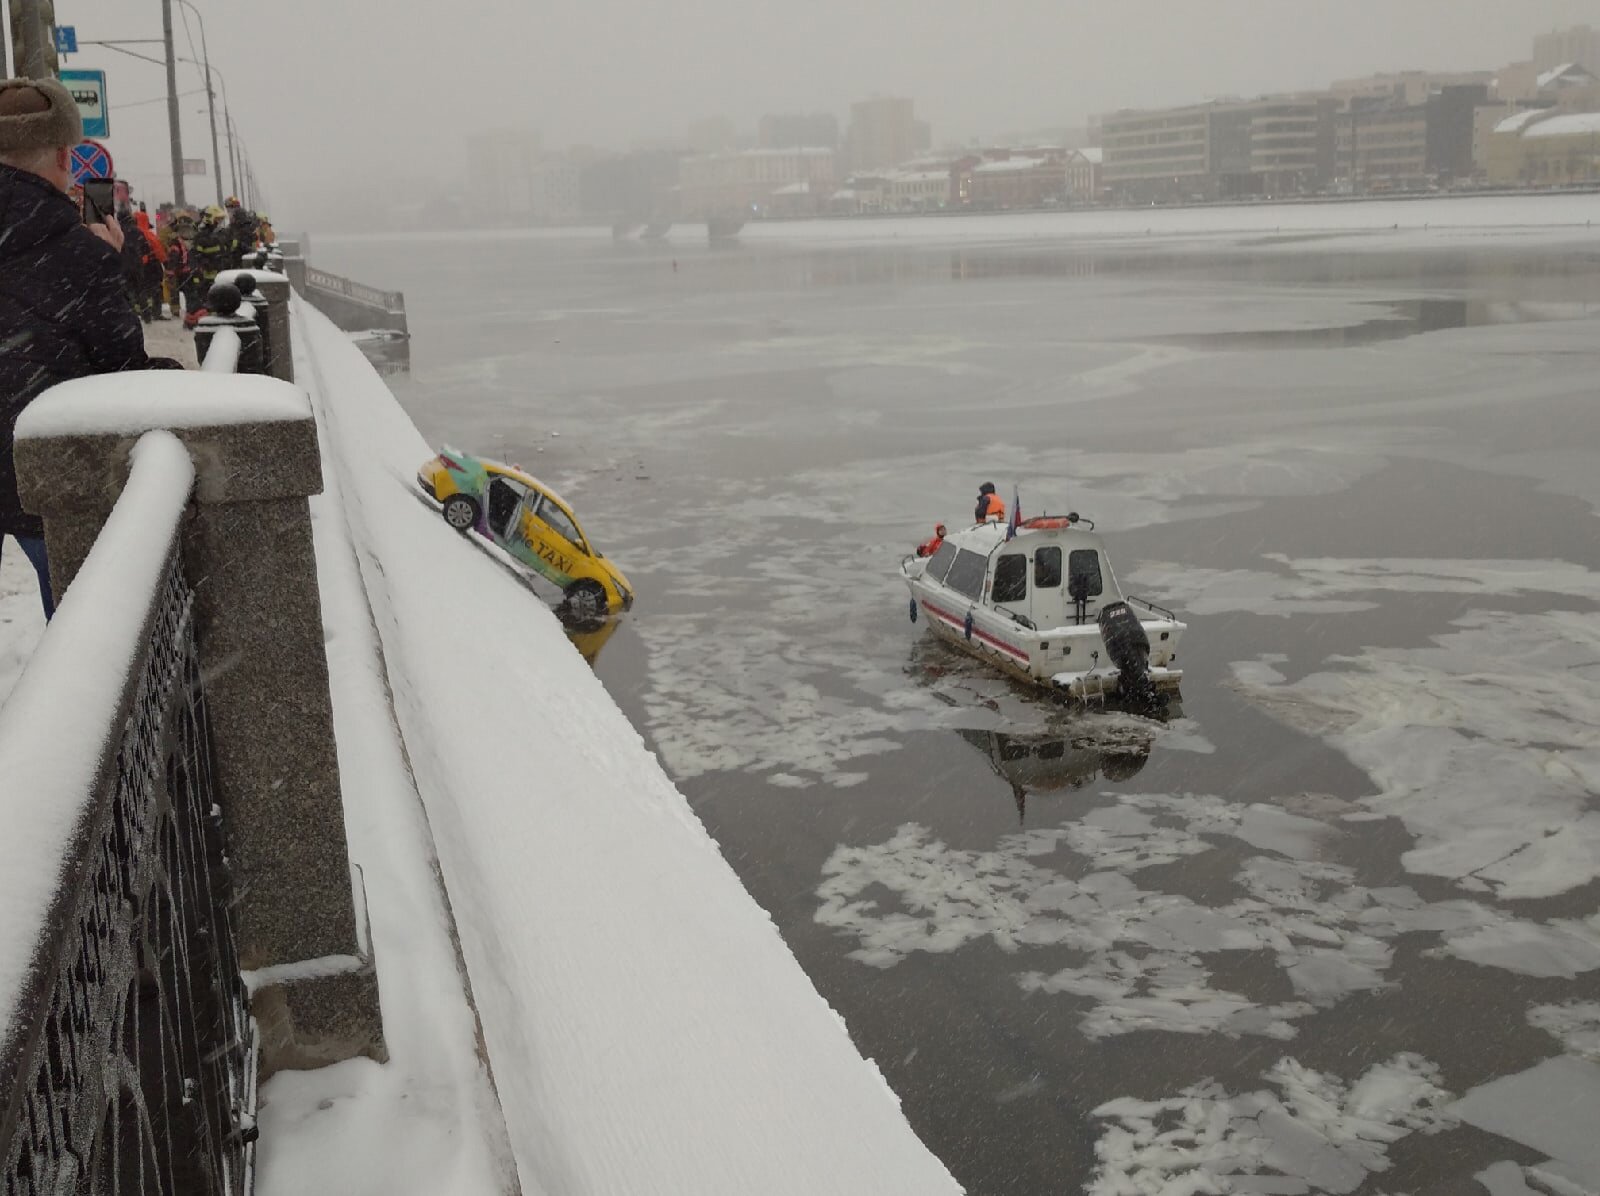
126	1054
241	458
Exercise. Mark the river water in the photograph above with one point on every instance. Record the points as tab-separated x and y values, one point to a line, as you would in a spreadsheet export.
1336	927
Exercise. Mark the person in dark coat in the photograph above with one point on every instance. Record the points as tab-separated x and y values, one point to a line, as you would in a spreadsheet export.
991	507
64	312
241	230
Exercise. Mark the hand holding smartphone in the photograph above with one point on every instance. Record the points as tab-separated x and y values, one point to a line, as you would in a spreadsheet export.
99	202
100	210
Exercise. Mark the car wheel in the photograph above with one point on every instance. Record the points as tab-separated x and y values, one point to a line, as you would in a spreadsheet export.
586	601
461	512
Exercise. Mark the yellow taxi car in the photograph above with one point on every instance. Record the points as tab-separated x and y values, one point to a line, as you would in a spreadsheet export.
531	522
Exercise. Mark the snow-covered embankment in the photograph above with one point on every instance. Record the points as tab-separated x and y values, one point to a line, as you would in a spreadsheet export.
648	1029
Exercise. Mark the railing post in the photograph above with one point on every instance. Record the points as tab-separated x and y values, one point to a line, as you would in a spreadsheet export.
269	294
294	264
247	553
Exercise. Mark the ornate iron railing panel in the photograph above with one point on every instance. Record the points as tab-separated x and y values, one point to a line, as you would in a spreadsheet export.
350	289
132	1066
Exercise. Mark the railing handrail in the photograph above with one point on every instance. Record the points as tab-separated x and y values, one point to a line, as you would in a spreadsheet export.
71	694
393	301
75	691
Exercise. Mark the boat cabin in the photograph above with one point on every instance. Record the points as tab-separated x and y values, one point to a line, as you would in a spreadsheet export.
1053	573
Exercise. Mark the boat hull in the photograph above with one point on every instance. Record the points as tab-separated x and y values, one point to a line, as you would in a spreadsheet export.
1069	659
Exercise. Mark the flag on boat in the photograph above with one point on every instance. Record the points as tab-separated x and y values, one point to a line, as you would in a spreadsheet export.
1015	520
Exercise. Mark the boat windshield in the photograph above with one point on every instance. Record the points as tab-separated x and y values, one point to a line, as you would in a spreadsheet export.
939	563
966	575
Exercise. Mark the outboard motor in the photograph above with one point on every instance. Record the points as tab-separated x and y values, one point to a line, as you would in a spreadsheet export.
1129	649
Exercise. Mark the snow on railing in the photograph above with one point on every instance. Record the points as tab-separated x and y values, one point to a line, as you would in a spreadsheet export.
222	355
127	1056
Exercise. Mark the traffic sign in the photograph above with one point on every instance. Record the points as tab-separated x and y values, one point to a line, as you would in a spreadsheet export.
88	90
91	160
66	39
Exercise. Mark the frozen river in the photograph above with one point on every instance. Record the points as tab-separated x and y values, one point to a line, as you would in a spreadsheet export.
1335	929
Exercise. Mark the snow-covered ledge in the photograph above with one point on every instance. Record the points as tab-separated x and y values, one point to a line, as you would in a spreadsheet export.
247	552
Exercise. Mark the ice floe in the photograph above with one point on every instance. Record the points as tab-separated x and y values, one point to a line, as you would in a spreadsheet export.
1308	1132
1576	1024
1141	954
1484	744
1327	585
1551	1108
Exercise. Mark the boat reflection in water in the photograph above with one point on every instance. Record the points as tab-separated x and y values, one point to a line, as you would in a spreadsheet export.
1055	763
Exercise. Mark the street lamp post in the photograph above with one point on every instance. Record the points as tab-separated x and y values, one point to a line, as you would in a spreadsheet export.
227	122
234	156
27	39
211	100
173	129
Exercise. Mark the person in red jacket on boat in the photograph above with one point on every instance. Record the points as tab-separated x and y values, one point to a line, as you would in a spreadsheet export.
991	507
929	547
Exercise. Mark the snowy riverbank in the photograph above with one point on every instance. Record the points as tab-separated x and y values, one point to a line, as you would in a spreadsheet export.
647	1026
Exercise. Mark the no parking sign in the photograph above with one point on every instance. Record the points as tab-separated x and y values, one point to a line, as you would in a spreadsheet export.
91	160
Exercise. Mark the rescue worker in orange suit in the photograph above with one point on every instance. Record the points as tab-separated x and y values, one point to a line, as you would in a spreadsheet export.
991	508
930	547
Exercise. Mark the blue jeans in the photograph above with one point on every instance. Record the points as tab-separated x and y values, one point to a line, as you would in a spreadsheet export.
33	549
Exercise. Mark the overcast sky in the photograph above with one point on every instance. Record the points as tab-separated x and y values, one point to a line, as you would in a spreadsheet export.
335	96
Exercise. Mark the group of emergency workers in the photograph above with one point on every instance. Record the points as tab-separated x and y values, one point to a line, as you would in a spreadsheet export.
185	256
991	508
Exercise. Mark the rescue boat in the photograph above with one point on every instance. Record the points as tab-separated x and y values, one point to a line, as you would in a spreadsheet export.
1043	605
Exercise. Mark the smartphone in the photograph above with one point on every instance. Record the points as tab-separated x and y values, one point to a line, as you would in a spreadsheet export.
99	202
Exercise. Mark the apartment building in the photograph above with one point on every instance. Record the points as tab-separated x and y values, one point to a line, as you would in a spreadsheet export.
1383	145
1272	145
884	132
1579	44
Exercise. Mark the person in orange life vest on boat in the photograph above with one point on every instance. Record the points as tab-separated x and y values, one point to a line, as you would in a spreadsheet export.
929	547
991	507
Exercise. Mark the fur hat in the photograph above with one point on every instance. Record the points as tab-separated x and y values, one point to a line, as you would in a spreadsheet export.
37	114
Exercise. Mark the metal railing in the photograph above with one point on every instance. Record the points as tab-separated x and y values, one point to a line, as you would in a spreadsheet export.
127	1052
389	301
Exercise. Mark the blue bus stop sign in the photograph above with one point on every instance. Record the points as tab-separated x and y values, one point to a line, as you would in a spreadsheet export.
88	90
90	160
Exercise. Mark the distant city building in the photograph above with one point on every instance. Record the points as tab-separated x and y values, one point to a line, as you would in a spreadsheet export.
553	191
921	187
1485	120
1545	147
796	131
513	181
1516	81
1579	44
1002	179
1083	175
1393	145
884	132
498	166
744	183
1274	145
